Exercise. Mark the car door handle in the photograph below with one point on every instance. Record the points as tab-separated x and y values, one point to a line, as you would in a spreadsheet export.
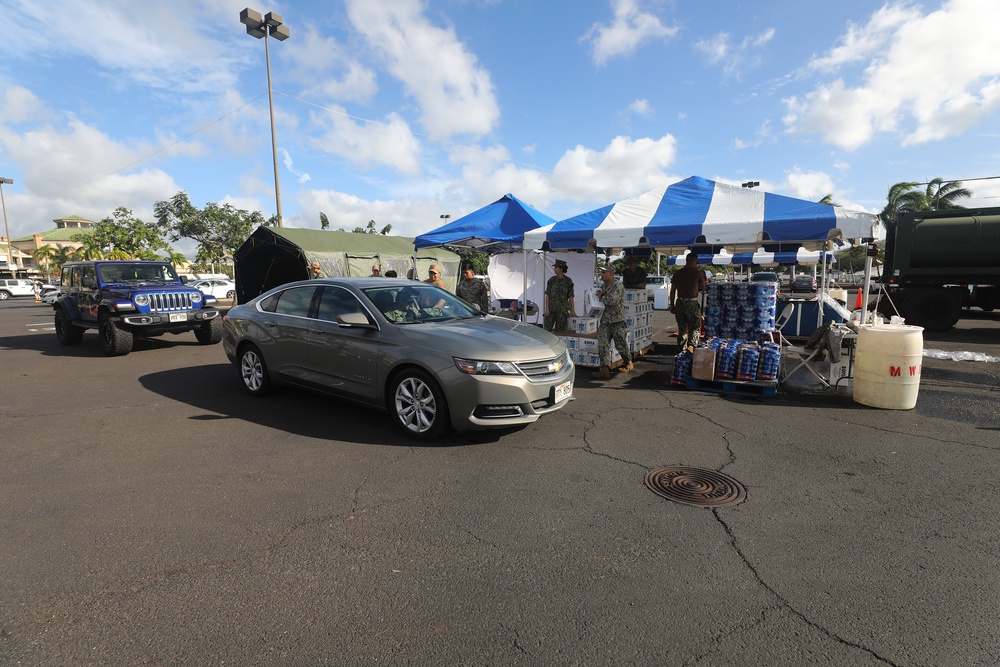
270	323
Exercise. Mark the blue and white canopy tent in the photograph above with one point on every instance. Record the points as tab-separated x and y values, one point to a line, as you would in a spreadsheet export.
712	219
705	216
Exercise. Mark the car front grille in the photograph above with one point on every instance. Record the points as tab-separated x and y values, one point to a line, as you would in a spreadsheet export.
537	371
169	301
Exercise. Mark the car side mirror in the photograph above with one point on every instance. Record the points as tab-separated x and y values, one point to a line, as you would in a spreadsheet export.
353	320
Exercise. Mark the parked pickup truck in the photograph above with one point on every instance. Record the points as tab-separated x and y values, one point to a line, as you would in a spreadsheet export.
124	299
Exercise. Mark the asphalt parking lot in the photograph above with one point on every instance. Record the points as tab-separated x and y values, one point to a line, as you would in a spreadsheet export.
155	514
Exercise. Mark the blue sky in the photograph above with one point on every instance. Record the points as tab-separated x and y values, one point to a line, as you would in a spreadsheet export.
401	111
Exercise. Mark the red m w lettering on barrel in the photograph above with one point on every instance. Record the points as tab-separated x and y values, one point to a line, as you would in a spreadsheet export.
895	371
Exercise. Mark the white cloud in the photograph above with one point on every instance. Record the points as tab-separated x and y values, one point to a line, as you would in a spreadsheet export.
327	69
454	93
287	160
629	29
162	46
19	104
369	144
409	217
811	185
624	166
931	76
734	58
641	108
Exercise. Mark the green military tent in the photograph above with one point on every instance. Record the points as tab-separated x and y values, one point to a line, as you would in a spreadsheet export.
273	256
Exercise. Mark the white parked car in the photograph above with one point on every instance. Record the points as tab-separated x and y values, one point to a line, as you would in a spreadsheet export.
16	287
220	289
654	283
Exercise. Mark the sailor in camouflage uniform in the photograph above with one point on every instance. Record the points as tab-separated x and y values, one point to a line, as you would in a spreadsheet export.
473	290
559	304
612	326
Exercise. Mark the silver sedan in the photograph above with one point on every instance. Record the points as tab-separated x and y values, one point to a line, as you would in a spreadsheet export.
431	360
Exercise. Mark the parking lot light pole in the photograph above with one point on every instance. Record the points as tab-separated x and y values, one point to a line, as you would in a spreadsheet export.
10	247
260	27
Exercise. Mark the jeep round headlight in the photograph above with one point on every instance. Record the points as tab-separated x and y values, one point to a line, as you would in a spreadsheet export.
142	299
195	297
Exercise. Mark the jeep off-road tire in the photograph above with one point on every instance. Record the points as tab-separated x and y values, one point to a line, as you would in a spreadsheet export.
67	332
209	333
115	341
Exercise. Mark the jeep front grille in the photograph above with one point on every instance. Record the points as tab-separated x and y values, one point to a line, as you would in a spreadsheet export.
538	371
167	301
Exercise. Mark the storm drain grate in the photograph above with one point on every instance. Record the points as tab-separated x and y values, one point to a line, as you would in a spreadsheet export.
695	486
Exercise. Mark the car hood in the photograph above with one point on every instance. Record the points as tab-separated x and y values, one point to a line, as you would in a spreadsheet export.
490	338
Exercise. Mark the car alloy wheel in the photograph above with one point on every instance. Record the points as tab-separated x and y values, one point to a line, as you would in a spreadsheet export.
419	405
253	370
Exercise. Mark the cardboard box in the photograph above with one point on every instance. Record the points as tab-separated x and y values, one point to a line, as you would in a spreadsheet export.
703	364
583	325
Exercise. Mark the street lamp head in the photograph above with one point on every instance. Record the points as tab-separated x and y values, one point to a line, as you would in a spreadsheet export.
7	181
272	19
280	32
253	21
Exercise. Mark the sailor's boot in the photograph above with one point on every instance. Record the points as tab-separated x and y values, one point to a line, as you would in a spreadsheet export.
604	373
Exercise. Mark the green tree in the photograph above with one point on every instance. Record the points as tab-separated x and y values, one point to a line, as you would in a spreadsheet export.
324	222
902	196
218	230
828	200
44	256
941	195
370	229
479	260
174	257
126	235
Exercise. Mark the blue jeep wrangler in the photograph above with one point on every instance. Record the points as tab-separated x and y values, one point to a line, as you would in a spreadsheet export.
123	299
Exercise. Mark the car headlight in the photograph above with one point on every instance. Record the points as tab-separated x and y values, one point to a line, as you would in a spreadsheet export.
473	367
141	299
195	297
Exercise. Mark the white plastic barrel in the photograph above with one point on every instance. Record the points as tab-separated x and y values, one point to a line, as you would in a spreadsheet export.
838	294
887	366
661	298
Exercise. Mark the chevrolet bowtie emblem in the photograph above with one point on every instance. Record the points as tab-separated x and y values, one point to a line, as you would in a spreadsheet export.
555	366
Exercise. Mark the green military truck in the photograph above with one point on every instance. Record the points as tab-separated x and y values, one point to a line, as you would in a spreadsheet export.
939	262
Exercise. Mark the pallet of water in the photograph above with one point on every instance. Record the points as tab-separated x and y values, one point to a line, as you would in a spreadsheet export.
731	362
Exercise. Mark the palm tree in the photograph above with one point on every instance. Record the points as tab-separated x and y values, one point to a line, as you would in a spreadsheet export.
63	254
902	197
828	200
942	195
44	255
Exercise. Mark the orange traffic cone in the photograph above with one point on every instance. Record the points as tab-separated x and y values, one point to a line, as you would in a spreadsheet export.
859	302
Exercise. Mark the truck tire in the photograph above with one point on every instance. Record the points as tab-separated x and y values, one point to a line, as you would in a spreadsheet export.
67	332
934	309
115	341
209	333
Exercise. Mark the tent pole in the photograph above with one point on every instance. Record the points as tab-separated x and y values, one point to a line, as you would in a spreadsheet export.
524	293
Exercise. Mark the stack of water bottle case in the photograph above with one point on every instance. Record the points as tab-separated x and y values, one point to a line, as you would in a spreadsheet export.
581	339
739	344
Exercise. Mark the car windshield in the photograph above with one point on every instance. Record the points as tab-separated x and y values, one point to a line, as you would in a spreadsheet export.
764	278
413	303
136	273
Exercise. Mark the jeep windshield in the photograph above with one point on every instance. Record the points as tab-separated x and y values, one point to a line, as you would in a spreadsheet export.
122	273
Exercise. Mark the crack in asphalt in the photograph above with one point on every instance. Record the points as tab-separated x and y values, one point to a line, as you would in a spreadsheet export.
785	603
